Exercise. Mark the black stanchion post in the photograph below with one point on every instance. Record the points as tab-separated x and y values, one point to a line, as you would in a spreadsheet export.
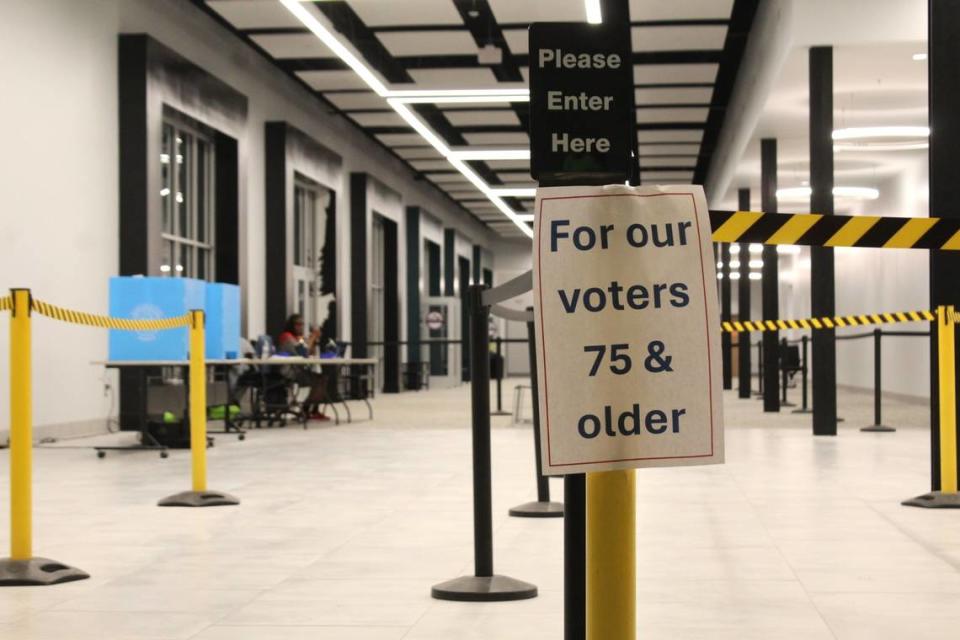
483	586
803	376
759	394
574	557
783	375
542	507
743	303
501	366
877	425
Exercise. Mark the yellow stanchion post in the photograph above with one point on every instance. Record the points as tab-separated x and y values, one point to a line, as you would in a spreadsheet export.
947	497
611	555
948	399
199	496
21	568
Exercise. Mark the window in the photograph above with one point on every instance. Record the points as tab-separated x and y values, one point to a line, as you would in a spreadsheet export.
187	192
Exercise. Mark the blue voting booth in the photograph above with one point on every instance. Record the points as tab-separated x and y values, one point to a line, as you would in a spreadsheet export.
151	297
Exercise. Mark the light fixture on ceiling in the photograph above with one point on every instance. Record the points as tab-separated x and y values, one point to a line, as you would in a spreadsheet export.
734	249
800	194
894	138
919	57
491	154
755	264
489	54
788	249
397	100
756	247
525	217
594	15
756	275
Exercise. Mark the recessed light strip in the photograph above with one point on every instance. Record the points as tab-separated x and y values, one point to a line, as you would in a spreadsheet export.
397	103
491	154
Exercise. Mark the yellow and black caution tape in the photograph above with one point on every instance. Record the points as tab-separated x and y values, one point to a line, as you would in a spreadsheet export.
107	322
6	303
817	230
833	322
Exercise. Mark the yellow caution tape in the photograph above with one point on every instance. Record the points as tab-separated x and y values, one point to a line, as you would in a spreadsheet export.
106	322
832	321
6	303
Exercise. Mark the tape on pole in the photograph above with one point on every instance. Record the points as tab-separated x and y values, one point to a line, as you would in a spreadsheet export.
831	322
106	322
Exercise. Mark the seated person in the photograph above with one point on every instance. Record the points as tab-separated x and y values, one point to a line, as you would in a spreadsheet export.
292	343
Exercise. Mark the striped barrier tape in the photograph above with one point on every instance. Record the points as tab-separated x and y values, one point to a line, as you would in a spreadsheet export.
834	322
107	322
6	303
817	230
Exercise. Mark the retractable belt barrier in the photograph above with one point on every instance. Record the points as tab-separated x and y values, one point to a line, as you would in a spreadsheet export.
22	567
832	322
818	230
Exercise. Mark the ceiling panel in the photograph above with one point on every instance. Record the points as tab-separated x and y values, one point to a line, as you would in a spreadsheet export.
460	118
322	80
672	114
363	100
673	96
527	11
293	45
376	13
388	119
419	43
682	148
679	9
454	78
512	139
661	73
517	39
671	135
677	38
247	14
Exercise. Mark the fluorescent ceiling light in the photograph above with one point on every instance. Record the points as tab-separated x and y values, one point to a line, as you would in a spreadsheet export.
861	133
755	264
756	247
594	16
734	264
803	193
397	103
735	275
755	275
734	249
491	154
525	217
919	57
889	146
788	249
515	192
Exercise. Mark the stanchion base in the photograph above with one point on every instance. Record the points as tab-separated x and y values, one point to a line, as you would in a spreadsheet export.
787	404
484	589
198	499
935	500
802	411
878	428
36	572
538	509
500	413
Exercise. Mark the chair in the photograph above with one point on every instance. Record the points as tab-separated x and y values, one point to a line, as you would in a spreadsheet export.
790	360
273	393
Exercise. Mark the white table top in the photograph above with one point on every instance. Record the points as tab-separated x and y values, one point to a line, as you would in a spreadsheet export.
278	361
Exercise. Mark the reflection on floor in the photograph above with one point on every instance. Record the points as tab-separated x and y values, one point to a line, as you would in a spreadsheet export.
343	530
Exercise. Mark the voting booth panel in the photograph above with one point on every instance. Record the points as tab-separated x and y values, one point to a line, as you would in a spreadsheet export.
148	298
628	329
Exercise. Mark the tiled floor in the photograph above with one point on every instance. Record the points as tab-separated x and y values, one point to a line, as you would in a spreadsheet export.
342	531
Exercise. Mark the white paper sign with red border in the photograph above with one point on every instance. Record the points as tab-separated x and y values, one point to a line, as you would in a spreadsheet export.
628	328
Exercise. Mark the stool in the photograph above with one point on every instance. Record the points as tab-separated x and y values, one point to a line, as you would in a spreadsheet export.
519	392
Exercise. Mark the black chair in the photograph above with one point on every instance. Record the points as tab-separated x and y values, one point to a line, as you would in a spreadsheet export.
790	360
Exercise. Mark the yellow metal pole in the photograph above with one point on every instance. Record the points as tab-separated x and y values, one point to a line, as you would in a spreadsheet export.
21	424
198	401
948	400
611	556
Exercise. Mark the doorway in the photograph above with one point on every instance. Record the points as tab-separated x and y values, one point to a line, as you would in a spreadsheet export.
310	203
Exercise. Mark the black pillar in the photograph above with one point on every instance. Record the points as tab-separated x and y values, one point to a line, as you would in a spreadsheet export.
743	303
726	315
943	24
413	287
821	258
449	261
358	265
770	283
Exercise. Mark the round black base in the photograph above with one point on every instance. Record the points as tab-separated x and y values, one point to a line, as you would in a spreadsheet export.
538	510
935	500
787	404
37	572
199	499
484	589
878	428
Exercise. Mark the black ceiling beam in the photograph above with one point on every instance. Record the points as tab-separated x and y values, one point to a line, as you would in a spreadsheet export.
741	21
478	17
469	61
345	20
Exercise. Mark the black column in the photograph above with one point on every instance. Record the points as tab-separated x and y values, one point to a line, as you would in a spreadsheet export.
726	315
743	304
391	307
770	283
477	259
358	265
449	260
944	105
413	286
821	258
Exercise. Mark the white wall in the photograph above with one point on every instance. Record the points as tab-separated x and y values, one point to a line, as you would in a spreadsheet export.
58	69
512	258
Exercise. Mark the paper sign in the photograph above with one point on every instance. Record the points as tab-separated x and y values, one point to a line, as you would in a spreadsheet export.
627	327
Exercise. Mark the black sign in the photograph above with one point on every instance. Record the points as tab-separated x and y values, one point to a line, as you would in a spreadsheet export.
581	103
